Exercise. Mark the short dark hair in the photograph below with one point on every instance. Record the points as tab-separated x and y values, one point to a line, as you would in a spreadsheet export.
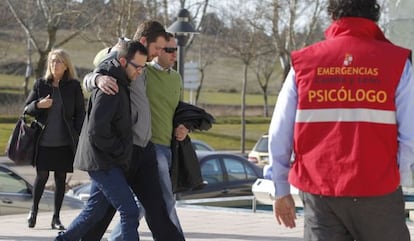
169	36
131	47
151	30
369	9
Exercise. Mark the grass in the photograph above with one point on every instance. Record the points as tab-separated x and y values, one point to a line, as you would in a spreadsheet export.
12	82
221	136
230	140
227	136
219	98
5	132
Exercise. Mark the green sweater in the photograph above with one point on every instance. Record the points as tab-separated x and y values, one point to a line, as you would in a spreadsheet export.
163	91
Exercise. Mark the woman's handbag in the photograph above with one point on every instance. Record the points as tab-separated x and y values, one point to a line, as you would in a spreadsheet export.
21	145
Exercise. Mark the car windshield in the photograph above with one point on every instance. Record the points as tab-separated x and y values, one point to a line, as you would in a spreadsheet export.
262	145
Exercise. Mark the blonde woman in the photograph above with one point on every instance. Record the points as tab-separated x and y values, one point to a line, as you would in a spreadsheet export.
57	102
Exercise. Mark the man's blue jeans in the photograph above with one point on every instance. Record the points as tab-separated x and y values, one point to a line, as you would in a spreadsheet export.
116	233
164	160
164	164
108	187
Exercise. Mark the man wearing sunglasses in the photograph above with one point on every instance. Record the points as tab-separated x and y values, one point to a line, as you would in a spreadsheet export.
164	90
143	175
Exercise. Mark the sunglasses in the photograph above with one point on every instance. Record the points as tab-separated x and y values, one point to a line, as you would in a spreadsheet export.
170	50
137	66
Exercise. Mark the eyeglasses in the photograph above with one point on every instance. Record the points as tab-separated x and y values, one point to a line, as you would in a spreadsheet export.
56	61
137	66
170	50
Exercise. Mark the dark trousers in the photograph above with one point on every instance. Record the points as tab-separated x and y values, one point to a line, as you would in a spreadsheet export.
144	181
380	218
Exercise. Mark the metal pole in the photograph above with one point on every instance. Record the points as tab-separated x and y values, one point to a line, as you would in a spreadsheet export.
181	39
180	61
180	48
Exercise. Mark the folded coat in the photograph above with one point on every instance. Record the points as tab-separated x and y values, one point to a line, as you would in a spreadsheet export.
185	171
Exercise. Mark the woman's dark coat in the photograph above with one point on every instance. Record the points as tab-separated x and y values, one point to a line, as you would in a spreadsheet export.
73	107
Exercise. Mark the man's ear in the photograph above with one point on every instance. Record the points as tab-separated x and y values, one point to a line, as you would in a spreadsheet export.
123	62
143	41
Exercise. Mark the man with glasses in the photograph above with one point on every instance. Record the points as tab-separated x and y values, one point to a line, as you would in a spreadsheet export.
137	66
143	174
105	147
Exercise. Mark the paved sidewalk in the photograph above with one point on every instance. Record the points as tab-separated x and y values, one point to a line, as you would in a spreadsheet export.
199	224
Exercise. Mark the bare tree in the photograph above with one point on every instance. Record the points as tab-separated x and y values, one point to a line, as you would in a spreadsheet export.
211	29
41	17
245	42
119	18
199	10
206	55
264	68
294	28
166	19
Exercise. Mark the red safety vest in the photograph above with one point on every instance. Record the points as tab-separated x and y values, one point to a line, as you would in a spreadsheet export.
345	137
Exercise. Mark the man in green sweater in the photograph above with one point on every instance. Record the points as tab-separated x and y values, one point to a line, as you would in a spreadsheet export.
164	88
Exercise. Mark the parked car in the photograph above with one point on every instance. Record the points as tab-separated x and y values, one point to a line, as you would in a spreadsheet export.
227	175
16	195
259	155
201	146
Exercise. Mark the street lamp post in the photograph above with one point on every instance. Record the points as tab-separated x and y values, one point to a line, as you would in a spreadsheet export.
182	29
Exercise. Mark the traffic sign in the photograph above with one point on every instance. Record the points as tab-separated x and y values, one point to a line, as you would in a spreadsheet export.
191	76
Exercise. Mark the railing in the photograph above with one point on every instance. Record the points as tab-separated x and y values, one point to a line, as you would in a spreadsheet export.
226	201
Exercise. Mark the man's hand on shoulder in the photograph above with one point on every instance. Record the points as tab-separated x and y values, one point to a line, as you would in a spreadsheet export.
107	84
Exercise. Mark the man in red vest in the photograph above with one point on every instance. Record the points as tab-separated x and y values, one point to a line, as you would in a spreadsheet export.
345	110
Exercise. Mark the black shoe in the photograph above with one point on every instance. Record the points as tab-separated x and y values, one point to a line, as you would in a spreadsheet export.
56	224
31	219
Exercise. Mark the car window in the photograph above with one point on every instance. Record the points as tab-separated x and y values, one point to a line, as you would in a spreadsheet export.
262	145
235	169
10	183
212	171
251	174
200	147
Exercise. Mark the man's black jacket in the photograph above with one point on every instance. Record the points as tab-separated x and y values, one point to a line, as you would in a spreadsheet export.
185	171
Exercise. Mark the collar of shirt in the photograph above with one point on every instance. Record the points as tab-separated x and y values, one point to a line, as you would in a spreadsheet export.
159	67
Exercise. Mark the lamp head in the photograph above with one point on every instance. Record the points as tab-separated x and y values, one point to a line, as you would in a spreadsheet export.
182	25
